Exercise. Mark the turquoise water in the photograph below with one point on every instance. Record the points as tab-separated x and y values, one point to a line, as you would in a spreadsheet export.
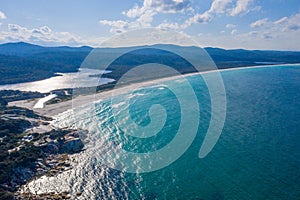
258	154
256	157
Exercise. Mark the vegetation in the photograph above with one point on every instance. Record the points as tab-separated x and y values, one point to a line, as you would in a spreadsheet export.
20	151
254	57
16	95
23	62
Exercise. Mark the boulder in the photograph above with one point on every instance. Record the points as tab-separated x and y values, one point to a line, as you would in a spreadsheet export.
52	147
72	145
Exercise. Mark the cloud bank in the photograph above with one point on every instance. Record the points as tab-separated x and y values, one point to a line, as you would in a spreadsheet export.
45	36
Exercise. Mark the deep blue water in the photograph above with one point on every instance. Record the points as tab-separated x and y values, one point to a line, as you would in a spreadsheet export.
256	157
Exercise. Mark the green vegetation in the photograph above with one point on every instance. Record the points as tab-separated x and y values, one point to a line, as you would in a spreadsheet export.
22	62
24	155
12	120
16	95
253	57
16	69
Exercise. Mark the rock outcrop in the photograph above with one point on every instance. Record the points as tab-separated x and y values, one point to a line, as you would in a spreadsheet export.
72	145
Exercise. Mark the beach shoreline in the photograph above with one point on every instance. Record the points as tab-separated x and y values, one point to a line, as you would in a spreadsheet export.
52	110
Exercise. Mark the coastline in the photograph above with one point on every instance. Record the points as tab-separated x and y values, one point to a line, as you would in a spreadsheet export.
52	110
87	99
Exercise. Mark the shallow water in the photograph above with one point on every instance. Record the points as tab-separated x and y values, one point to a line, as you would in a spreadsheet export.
256	157
62	81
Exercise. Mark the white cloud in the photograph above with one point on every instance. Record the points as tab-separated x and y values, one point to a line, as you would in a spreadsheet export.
259	23
44	30
292	23
161	6
117	26
267	35
169	26
251	40
253	33
44	36
281	20
280	34
16	28
143	15
220	6
168	6
146	19
234	31
202	18
230	26
120	26
232	7
134	12
198	18
242	6
284	24
2	15
117	23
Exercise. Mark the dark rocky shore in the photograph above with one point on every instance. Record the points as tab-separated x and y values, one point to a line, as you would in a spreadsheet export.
26	154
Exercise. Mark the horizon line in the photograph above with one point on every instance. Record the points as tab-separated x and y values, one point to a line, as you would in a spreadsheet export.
81	46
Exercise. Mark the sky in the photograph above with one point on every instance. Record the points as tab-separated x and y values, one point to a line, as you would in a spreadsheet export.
230	24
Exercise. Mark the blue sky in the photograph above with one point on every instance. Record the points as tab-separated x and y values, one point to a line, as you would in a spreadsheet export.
250	24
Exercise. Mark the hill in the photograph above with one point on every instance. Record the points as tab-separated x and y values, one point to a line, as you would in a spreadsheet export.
241	57
23	62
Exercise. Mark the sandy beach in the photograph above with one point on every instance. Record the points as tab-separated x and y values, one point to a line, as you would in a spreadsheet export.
54	109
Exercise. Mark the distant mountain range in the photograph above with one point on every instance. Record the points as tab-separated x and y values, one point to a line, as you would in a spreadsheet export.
23	62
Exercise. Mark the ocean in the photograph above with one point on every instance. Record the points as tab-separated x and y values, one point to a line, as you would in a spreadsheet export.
257	155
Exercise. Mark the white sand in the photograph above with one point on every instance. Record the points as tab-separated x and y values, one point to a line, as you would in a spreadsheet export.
54	109
42	101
